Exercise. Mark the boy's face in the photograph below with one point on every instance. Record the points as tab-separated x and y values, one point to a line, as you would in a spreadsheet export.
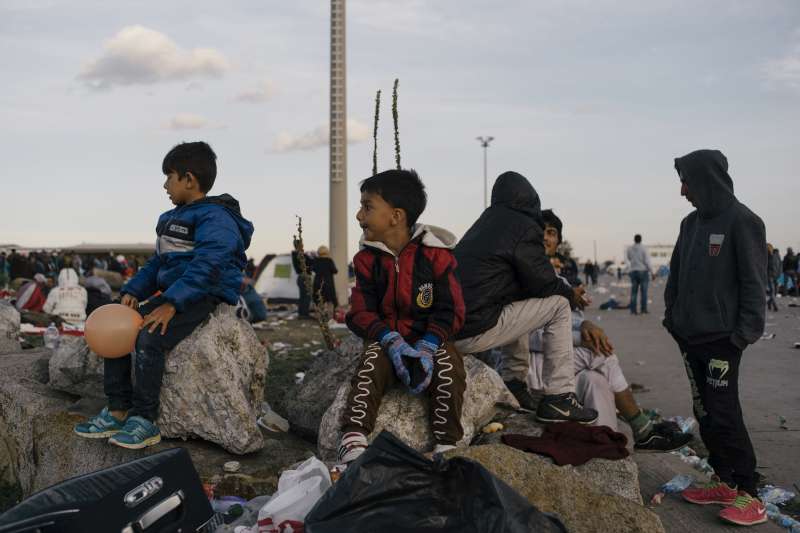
550	240
377	218
180	188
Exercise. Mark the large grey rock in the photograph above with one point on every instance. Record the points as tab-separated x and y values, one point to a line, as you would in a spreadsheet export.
580	504
407	416
38	447
214	384
212	388
614	477
9	328
305	403
75	369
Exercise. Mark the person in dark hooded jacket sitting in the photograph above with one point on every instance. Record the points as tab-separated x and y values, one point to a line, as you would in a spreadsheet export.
510	290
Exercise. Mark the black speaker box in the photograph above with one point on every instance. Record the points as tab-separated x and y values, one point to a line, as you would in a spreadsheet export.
158	493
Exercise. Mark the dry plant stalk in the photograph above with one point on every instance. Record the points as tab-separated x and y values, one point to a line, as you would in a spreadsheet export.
305	274
396	128
375	133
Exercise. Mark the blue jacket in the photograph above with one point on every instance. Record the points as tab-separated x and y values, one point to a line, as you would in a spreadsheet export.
199	252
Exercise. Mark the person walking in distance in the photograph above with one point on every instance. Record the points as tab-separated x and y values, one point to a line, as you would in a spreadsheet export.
715	307
640	272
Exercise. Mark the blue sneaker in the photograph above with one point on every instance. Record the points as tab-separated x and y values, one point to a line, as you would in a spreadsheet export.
100	426
137	433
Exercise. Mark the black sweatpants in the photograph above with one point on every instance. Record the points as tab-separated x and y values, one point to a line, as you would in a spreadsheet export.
713	370
142	398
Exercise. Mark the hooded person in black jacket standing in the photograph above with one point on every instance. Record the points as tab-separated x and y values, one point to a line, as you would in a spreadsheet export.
510	290
715	307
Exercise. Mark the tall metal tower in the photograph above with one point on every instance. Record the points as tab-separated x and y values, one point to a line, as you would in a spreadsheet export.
338	149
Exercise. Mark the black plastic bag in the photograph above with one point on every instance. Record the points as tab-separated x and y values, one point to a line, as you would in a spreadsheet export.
393	488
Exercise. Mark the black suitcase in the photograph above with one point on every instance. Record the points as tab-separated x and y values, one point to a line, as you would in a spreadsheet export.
161	492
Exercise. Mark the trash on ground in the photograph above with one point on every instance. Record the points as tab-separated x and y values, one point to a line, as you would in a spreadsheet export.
638	387
656	499
223	504
299	377
316	352
232	466
686	424
774	513
494	427
298	492
640	363
782	421
337	325
677	484
767	336
774	495
271	420
277	346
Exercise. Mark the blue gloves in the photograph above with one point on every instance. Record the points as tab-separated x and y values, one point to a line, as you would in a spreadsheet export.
396	347
425	351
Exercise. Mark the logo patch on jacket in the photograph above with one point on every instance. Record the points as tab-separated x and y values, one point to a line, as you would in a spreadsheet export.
715	241
425	295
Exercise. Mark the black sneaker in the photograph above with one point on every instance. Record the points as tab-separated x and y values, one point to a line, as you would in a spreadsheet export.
520	391
663	438
564	408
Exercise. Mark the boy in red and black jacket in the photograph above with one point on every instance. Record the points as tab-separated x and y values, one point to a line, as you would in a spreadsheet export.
406	305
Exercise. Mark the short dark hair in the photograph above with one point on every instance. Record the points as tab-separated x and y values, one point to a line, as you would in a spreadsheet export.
402	189
550	219
637	238
195	157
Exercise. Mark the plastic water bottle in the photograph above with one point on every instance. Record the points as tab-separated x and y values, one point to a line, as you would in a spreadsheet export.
677	484
51	336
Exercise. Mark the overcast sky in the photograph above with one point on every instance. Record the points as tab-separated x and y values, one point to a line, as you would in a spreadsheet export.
591	100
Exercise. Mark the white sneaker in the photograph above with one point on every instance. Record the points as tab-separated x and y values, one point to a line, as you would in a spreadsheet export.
352	446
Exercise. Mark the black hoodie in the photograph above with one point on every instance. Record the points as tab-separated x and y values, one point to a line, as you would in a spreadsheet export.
717	281
501	258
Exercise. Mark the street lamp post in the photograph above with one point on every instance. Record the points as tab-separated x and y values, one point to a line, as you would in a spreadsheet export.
485	144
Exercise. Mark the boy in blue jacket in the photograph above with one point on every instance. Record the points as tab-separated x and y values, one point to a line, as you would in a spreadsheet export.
200	255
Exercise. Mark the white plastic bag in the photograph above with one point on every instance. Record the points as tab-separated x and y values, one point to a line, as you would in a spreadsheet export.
298	491
311	467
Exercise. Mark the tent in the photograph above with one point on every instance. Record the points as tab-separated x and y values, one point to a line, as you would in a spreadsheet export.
277	279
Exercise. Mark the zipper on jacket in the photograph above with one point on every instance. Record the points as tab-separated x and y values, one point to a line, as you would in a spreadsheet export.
396	275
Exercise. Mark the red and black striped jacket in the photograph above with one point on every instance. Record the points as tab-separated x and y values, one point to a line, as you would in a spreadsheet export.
417	293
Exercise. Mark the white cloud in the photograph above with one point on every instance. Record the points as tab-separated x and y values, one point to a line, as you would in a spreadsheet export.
357	131
262	92
138	55
186	121
785	70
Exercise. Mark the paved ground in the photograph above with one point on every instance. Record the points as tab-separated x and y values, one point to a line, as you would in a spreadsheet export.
768	384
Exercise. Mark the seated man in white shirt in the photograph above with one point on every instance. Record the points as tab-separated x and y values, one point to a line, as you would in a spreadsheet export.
600	383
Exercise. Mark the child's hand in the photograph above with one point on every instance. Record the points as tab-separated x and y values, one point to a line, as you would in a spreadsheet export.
161	315
395	347
130	301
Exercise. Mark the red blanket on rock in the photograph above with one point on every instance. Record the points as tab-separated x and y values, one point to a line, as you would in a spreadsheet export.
570	443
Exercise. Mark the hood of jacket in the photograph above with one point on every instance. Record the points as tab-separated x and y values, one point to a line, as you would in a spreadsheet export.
432	236
705	173
513	190
231	204
67	278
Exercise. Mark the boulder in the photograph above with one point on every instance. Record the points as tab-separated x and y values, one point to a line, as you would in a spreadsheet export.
39	449
305	403
9	328
407	416
581	504
213	382
615	477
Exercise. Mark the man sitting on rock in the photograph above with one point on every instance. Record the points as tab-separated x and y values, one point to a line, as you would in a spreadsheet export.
406	305
511	290
600	382
198	263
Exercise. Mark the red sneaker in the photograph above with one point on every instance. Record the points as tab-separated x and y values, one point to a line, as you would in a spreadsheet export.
745	511
715	491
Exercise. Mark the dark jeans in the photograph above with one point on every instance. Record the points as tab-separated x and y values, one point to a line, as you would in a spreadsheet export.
639	280
713	370
772	290
142	398
304	305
